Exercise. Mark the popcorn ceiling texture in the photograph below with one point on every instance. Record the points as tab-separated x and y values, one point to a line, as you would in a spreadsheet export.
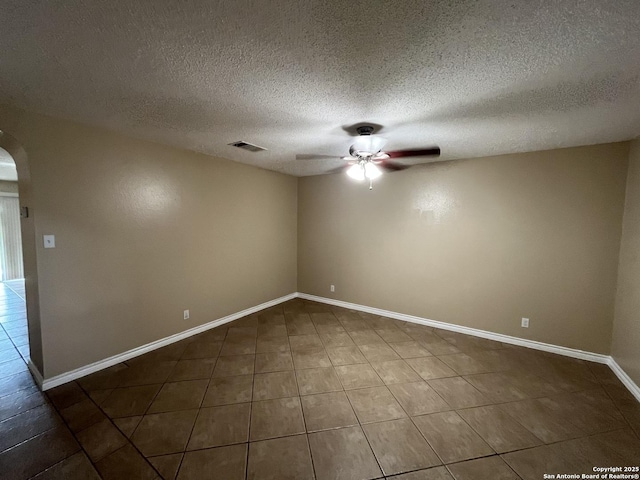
476	78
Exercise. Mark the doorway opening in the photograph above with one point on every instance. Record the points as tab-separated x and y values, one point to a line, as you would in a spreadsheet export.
14	334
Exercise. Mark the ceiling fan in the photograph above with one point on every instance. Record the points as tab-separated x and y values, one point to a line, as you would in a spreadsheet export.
366	160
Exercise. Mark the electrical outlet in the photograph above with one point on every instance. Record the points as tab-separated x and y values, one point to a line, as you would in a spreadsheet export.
333	288
525	323
186	314
49	241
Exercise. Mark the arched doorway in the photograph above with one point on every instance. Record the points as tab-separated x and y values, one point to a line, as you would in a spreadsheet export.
19	304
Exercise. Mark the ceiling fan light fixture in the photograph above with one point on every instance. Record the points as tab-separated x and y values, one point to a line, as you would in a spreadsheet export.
368	145
356	172
371	171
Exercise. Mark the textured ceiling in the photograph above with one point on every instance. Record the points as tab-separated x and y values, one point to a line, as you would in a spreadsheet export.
476	78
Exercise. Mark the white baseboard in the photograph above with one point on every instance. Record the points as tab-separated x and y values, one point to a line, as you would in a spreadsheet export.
35	373
624	378
545	347
52	382
498	337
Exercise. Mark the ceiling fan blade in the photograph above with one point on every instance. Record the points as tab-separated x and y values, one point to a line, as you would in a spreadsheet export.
422	152
312	156
337	170
392	166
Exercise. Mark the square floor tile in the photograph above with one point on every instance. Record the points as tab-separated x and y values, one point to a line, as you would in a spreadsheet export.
313	357
580	410
164	433
399	447
126	463
238	346
175	396
345	355
378	352
451	438
354	324
458	393
234	365
285	458
167	465
202	349
464	364
546	424
273	344
532	463
228	390
218	426
418	398
318	380
300	326
273	362
327	410
104	379
276	418
82	415
410	349
66	395
101	439
395	371
366	337
146	373
274	385
434	473
358	376
438	346
192	369
338	339
125	402
393	334
302	342
127	425
430	367
375	405
222	463
488	468
243	328
343	454
272	330
498	429
499	387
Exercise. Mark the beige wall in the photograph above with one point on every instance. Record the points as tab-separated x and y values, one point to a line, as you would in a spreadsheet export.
626	326
479	242
144	231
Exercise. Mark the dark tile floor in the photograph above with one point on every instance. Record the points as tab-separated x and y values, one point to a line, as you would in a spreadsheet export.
305	390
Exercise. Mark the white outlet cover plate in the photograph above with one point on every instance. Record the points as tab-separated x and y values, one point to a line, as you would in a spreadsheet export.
525	322
49	241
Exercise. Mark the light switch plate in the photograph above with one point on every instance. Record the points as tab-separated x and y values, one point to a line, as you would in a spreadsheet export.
49	241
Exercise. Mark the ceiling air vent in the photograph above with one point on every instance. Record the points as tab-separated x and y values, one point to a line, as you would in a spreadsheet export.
247	146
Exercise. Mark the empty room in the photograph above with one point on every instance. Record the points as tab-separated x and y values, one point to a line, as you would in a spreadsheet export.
324	240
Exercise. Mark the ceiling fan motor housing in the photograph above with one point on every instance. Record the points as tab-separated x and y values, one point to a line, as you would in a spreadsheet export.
365	130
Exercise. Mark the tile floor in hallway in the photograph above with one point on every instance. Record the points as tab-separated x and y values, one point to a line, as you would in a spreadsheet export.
305	390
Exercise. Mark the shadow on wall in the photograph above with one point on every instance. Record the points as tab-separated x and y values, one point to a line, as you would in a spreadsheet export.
13	147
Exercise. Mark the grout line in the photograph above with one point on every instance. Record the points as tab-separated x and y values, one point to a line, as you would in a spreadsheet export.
128	439
359	424
253	386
